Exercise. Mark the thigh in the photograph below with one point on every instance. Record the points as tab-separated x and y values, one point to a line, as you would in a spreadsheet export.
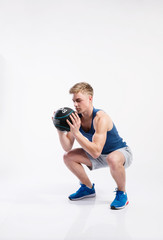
78	155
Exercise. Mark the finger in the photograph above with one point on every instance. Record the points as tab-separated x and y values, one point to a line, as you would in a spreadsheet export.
72	118
69	123
76	114
76	117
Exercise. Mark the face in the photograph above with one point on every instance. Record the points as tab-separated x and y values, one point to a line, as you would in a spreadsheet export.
82	102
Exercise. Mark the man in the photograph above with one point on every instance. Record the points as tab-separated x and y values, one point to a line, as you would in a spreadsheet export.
101	146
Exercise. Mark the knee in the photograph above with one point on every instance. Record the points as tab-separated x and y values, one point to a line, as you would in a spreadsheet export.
67	157
113	162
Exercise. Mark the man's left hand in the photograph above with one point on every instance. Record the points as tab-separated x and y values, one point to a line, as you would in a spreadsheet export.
75	125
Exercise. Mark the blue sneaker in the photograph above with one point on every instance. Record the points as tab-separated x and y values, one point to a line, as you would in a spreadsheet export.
83	192
120	200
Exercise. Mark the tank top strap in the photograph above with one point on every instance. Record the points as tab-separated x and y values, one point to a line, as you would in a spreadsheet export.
95	110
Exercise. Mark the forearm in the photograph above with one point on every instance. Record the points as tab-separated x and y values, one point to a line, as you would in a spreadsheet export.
66	143
92	148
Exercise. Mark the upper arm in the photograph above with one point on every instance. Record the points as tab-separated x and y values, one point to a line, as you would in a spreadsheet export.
101	125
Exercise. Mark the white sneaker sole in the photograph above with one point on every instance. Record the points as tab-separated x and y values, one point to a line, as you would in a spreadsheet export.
87	196
118	208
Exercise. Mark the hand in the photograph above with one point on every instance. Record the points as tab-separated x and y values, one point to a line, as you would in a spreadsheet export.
53	115
75	125
59	132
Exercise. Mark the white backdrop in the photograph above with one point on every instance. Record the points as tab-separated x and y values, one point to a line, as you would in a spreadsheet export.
45	48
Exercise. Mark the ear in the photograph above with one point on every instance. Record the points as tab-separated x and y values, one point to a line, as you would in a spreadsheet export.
90	98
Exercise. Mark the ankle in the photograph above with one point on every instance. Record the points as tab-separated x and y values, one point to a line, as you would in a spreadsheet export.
122	190
89	185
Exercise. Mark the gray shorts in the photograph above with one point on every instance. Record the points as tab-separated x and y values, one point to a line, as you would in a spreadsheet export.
101	162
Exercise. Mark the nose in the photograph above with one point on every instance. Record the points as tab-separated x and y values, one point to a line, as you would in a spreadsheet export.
75	104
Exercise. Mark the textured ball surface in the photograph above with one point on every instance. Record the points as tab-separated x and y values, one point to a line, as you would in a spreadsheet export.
60	118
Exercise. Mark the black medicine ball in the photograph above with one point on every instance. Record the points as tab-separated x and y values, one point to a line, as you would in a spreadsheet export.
60	117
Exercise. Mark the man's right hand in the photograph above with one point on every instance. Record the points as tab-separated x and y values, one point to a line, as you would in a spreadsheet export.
53	115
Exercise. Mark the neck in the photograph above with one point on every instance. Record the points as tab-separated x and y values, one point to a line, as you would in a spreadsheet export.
88	113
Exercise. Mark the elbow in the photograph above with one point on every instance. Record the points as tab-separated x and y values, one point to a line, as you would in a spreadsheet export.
96	154
67	149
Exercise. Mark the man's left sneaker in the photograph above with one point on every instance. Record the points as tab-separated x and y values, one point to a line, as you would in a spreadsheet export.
120	200
83	192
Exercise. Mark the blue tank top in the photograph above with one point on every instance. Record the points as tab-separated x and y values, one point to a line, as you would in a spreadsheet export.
113	140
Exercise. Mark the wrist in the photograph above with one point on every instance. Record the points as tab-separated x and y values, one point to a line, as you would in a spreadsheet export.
77	134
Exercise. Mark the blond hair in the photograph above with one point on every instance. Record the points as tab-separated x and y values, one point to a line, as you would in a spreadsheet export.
82	87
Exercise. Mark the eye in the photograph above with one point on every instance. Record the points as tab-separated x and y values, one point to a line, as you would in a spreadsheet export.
77	100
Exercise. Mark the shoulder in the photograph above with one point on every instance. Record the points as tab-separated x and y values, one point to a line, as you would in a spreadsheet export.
102	118
101	115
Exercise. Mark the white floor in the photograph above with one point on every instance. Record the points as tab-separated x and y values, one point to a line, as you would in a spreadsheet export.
32	208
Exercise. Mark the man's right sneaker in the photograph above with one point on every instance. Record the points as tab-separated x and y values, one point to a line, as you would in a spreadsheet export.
83	192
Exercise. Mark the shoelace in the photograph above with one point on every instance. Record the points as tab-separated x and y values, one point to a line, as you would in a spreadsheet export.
118	193
82	186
